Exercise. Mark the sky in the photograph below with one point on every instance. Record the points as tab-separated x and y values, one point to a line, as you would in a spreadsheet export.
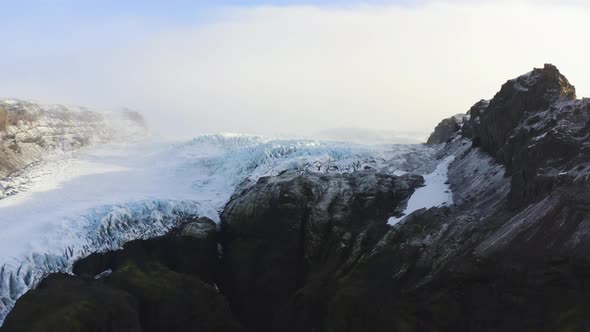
285	67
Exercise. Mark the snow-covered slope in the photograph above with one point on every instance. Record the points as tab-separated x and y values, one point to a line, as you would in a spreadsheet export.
435	192
72	204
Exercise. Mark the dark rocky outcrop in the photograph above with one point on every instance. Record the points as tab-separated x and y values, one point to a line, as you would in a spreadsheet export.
142	298
290	238
445	129
162	284
190	249
533	92
536	128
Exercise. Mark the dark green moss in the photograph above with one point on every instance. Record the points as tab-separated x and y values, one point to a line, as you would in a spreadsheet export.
69	304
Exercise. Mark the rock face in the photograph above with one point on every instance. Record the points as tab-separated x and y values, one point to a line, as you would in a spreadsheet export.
518	98
445	129
162	284
289	235
536	128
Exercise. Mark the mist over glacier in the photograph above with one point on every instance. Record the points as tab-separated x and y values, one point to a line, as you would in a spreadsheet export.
293	69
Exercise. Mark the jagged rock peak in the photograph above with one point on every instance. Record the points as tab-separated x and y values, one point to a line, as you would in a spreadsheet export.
491	123
535	127
488	122
547	83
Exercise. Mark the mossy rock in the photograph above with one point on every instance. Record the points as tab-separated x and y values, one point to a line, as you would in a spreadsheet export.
69	304
171	301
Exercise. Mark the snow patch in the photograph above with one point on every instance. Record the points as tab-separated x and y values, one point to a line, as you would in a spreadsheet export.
435	192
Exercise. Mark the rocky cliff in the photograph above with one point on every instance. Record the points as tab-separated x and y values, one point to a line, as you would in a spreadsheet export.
313	252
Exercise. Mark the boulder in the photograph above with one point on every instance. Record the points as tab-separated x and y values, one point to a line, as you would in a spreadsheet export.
534	126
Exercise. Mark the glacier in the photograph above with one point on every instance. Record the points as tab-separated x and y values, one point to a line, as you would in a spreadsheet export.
99	197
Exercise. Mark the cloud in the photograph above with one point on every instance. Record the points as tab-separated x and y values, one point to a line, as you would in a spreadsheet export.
301	69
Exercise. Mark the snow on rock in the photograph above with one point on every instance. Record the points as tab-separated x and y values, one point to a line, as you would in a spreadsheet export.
435	192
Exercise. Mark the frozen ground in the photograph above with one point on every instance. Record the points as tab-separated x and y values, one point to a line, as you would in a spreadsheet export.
99	198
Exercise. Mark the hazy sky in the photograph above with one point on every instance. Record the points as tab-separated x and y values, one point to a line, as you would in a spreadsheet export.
285	66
